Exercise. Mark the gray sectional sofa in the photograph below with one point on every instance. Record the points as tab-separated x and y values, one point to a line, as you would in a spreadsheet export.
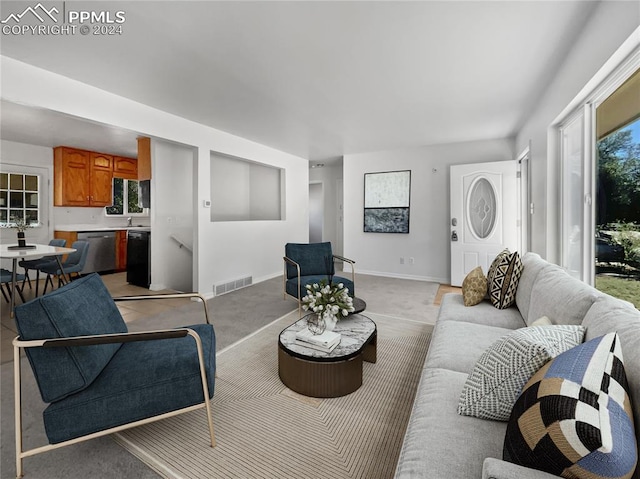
440	443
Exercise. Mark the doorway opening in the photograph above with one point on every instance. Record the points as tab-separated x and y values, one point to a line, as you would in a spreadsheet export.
316	212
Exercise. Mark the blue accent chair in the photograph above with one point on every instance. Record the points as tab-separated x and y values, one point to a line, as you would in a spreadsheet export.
73	264
28	264
308	263
98	378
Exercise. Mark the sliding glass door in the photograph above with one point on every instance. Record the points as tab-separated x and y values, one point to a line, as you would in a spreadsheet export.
577	148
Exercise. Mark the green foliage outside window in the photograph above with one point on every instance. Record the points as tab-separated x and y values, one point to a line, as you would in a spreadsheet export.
618	179
125	192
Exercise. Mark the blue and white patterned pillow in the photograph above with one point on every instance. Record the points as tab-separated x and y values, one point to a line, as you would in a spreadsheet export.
574	417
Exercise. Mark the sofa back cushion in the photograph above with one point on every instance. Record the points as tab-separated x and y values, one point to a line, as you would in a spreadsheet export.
313	258
532	264
81	308
612	315
560	297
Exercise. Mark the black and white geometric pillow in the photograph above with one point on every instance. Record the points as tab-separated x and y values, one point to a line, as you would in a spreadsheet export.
574	417
505	273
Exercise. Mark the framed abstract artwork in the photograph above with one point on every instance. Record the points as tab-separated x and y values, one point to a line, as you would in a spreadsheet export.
386	202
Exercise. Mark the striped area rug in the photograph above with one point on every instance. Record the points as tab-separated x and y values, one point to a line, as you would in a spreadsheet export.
265	430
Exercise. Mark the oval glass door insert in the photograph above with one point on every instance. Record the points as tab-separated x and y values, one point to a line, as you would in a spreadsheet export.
482	208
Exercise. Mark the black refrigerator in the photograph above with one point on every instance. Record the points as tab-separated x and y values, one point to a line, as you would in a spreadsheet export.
138	258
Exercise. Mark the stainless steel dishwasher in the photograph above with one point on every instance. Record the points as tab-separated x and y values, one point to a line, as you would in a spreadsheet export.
101	256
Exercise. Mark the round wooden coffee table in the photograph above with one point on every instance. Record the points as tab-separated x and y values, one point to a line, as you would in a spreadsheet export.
319	374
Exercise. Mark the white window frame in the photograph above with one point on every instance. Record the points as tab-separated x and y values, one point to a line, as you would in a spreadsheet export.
624	62
24	191
125	204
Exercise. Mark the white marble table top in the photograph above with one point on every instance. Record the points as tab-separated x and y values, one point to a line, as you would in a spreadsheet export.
355	330
37	252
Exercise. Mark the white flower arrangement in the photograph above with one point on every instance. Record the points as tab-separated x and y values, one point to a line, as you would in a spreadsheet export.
328	299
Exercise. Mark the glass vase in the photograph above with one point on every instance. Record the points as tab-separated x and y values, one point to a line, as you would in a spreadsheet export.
316	324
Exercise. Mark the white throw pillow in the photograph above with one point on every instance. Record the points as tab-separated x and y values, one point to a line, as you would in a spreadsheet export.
542	321
502	371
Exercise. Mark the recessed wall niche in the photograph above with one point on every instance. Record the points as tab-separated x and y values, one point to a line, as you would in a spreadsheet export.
245	190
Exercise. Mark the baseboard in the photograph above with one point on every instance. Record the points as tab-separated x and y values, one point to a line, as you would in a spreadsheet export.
403	276
268	277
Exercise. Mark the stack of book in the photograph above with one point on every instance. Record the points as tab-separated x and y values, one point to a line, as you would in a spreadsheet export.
327	341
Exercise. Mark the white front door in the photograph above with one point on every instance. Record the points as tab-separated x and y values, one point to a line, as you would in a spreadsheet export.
484	215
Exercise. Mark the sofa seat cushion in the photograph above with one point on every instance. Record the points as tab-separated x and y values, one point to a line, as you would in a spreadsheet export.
292	284
439	443
452	308
574	416
81	308
457	345
144	379
505	367
560	297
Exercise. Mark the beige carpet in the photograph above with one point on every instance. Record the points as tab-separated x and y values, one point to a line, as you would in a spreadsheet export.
264	430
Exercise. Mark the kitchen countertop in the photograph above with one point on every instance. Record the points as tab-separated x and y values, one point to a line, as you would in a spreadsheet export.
91	227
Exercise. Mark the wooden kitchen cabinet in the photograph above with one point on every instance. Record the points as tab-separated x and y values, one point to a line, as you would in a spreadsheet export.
101	182
121	250
144	158
126	168
82	178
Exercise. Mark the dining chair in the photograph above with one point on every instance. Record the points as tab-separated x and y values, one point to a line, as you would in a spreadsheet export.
33	264
6	277
308	263
73	264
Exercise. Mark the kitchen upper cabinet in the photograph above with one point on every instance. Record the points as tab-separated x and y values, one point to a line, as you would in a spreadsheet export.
82	178
101	180
126	168
144	158
71	173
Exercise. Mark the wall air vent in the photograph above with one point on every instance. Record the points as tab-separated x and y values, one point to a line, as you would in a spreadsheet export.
228	286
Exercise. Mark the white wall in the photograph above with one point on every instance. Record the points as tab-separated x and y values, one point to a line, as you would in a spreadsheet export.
38	160
428	239
172	212
606	30
222	251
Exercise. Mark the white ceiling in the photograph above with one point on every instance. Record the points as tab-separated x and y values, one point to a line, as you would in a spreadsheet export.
315	79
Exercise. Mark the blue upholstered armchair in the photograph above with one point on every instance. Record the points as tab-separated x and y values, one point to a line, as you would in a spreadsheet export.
96	376
308	263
